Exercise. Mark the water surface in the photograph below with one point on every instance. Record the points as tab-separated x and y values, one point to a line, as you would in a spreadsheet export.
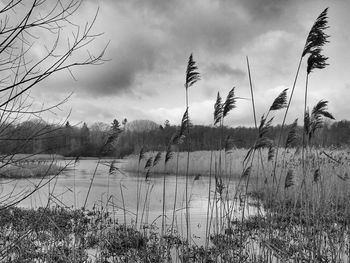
118	193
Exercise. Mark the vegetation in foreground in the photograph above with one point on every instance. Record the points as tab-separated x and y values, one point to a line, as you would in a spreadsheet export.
63	235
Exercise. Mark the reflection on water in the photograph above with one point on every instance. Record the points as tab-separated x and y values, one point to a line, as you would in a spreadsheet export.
71	187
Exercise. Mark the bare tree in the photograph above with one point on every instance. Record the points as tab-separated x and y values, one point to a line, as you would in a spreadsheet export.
25	27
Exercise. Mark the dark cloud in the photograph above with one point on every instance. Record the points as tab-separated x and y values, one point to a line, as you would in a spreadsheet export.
159	7
223	69
156	6
120	73
200	27
267	9
203	32
208	28
191	26
158	43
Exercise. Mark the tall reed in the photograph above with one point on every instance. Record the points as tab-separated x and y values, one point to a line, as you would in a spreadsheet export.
192	76
315	40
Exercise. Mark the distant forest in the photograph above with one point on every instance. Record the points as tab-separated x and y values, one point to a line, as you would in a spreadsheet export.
38	137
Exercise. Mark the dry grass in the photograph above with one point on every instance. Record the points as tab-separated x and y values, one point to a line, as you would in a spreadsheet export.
199	163
326	179
36	157
29	169
332	175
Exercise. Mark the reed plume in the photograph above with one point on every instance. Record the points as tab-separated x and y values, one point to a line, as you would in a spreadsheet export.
149	163
141	155
270	153
316	61
230	102
218	110
169	154
112	167
292	134
192	76
157	159
317	175
246	172
315	121
307	123
264	126
321	110
147	175
280	102
317	37
185	122
179	136
289	181
262	140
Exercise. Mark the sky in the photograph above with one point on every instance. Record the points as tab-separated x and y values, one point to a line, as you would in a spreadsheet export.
149	42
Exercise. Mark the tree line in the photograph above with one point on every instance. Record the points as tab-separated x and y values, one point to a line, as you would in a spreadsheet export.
32	137
203	137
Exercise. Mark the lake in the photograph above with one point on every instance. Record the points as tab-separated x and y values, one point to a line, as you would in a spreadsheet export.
70	189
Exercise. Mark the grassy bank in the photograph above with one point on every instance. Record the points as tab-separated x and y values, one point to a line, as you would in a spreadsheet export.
30	165
28	170
30	157
62	235
37	165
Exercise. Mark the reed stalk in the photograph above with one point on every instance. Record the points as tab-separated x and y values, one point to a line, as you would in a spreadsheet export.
91	182
207	228
175	196
163	205
192	76
123	202
138	186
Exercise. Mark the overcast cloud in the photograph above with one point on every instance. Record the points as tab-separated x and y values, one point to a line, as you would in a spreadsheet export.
150	42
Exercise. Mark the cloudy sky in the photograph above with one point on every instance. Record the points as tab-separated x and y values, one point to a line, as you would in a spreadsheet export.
151	40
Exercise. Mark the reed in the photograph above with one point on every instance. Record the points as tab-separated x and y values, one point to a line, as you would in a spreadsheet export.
314	41
192	76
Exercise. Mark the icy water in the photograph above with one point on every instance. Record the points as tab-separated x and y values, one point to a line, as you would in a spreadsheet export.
70	189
